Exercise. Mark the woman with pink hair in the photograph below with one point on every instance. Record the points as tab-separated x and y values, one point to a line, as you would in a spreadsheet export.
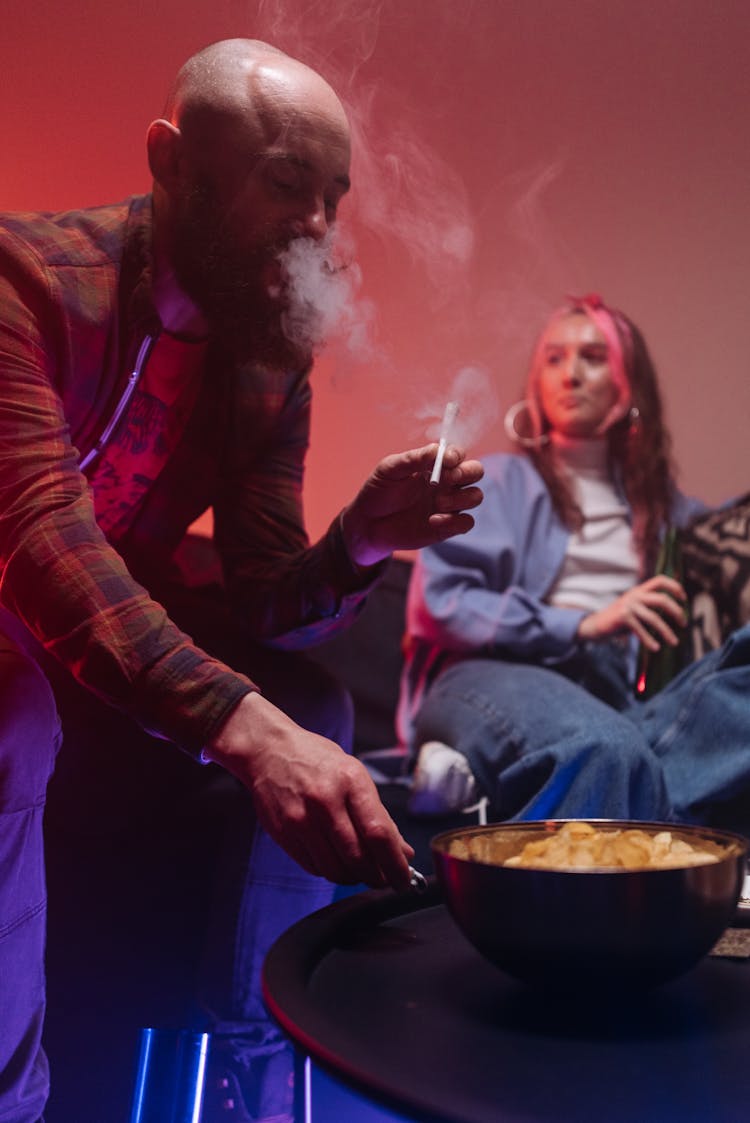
587	349
519	683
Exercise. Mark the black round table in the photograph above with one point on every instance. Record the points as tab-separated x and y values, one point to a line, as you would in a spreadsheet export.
385	992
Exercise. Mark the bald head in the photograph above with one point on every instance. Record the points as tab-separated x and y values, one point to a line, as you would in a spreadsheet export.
252	154
212	75
240	93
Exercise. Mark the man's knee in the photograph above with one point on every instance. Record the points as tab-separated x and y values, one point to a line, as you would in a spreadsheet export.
29	729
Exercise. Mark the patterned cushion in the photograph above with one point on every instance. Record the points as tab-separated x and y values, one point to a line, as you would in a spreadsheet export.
716	573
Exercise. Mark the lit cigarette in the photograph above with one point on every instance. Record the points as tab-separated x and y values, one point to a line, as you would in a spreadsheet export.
449	417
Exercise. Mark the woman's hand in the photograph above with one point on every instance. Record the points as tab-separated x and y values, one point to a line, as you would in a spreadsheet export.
651	611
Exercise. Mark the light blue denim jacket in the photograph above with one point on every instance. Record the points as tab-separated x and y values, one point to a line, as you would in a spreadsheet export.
483	593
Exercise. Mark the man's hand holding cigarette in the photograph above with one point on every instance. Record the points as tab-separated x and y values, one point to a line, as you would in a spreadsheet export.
398	508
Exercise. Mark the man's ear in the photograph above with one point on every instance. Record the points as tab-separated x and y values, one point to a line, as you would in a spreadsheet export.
164	146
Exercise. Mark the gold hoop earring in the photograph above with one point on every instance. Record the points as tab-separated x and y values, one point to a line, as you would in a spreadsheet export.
513	434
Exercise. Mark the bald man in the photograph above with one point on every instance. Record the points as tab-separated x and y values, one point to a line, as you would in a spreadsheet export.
149	373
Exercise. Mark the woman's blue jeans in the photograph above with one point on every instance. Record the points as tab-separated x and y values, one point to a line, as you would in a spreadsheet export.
541	745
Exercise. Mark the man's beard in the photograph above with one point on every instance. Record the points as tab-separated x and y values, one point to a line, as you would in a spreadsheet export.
245	312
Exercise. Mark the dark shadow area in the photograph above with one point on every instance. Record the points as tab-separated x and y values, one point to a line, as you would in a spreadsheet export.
130	874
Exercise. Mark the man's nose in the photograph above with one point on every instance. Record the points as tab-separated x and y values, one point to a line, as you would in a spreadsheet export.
314	224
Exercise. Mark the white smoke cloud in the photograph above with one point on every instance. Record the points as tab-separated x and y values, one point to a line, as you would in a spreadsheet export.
403	191
322	283
406	198
474	390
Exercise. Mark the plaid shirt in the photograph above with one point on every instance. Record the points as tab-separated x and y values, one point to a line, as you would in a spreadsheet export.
75	308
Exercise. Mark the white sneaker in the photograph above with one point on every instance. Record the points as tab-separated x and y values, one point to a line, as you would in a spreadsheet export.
442	781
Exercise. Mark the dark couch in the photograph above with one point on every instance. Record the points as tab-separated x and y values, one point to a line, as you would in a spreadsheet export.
368	659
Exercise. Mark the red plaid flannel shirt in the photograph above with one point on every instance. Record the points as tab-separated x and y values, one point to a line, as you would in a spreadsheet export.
75	307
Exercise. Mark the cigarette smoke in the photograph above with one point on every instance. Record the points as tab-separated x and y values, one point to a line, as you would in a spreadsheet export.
404	193
409	203
542	261
322	283
474	389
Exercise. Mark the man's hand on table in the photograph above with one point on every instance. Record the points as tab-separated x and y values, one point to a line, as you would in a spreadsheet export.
315	800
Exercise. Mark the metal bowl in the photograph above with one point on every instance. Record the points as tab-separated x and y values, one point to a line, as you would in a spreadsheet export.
591	928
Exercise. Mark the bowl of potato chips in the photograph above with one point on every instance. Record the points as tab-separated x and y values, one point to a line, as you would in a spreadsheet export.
605	904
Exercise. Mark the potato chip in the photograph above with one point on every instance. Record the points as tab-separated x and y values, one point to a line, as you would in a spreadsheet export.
578	846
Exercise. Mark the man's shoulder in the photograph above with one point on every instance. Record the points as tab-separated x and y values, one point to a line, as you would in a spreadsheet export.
84	237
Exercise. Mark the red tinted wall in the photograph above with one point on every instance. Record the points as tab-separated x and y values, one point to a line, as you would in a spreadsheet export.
510	151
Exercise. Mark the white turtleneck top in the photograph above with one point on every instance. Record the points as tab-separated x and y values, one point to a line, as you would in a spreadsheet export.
601	561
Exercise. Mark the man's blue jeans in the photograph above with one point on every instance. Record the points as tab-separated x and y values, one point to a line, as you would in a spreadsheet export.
111	778
542	745
28	743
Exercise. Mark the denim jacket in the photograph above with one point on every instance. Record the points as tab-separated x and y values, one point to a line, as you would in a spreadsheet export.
483	594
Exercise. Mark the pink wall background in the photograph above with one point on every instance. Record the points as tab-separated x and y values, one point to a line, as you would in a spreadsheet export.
514	150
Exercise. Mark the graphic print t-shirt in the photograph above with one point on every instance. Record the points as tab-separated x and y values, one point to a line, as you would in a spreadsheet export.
148	433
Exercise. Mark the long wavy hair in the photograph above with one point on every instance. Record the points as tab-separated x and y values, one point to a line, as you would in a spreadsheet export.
639	444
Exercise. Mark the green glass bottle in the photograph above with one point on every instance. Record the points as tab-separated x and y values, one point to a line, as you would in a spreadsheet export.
657	668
